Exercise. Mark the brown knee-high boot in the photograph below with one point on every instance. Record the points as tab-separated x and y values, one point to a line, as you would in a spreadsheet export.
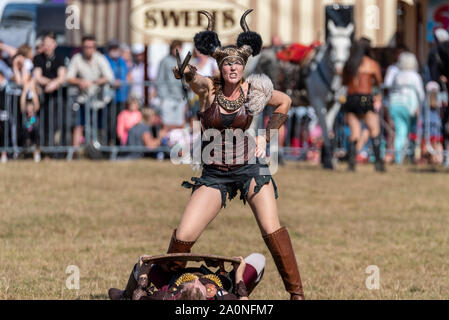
177	246
281	249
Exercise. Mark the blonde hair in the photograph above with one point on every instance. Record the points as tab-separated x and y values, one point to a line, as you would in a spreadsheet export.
191	293
132	98
408	62
147	114
24	50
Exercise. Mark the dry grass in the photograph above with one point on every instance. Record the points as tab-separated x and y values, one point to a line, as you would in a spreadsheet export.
100	216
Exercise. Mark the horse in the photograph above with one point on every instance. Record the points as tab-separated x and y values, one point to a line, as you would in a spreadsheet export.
316	81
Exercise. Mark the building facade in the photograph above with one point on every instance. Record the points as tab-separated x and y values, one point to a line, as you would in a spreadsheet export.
385	22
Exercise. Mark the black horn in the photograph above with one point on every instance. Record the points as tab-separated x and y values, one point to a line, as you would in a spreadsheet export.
207	41
248	37
211	20
243	23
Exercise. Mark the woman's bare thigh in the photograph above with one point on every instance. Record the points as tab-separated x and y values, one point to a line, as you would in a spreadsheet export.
372	123
355	126
264	207
202	208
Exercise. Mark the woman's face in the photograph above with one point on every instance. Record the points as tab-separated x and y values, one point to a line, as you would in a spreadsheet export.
232	71
133	105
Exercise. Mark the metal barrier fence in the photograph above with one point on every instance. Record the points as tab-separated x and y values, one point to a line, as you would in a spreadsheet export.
53	128
62	112
49	130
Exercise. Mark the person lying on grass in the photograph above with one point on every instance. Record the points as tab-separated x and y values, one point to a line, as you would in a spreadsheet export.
153	282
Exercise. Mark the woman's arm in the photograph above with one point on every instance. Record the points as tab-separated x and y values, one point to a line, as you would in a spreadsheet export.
17	74
202	86
377	73
282	103
11	51
149	141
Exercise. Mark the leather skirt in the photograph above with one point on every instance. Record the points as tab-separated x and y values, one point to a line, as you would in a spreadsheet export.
232	181
359	104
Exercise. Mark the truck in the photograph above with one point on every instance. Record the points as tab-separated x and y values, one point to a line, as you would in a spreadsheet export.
22	22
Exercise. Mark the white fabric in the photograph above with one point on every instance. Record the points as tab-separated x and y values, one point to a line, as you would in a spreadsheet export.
407	90
97	68
391	73
137	48
28	64
441	35
209	68
138	77
172	112
257	261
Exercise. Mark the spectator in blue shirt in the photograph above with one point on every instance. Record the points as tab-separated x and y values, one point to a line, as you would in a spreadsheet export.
120	69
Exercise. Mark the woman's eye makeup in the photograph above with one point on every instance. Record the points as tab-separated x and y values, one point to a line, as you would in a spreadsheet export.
228	64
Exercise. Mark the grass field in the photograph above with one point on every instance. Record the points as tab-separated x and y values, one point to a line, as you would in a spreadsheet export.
101	216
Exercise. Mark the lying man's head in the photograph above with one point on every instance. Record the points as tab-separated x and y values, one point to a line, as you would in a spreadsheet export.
193	290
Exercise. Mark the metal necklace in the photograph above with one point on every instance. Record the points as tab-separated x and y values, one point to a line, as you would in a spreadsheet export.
228	105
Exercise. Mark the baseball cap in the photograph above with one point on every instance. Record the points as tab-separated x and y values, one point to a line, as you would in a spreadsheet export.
137	48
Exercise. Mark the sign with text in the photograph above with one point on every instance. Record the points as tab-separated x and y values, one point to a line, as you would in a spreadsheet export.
181	19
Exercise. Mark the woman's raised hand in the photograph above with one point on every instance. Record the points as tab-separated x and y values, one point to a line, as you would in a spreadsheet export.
177	74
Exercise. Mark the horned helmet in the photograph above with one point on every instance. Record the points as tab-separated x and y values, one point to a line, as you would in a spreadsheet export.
248	42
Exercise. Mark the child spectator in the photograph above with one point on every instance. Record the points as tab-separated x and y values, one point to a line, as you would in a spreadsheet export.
127	119
29	135
435	123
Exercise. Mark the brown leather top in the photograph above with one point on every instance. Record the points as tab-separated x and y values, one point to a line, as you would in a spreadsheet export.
211	118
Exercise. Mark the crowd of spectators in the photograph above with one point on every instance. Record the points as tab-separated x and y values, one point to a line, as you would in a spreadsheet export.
128	108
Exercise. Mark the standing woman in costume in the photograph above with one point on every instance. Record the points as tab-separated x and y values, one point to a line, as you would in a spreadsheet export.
360	74
230	102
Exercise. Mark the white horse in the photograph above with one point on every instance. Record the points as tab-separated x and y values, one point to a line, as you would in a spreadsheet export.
321	78
317	82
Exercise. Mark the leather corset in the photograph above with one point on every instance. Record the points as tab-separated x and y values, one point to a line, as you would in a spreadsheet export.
235	152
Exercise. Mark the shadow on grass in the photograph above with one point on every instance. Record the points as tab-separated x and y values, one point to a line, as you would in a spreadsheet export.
430	169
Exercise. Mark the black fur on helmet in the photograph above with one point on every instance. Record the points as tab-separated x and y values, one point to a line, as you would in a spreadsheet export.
248	42
248	37
207	41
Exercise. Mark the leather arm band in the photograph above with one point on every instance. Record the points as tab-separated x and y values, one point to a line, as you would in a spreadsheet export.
276	121
241	289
